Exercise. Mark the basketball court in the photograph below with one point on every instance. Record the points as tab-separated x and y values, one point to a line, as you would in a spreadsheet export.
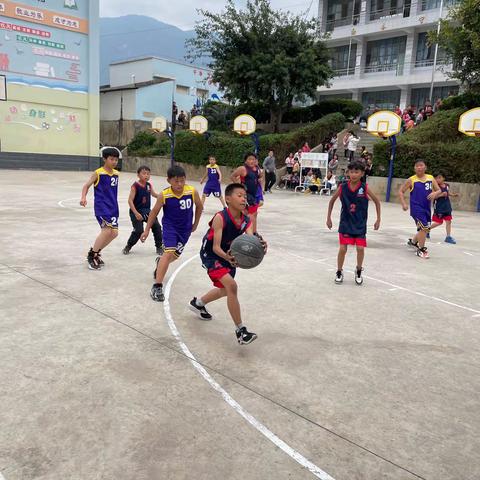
344	382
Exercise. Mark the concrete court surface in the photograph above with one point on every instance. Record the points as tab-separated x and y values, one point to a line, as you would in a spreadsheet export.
366	383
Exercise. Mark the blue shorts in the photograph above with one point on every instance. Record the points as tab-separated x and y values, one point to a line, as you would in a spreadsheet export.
422	221
107	221
259	195
215	189
174	241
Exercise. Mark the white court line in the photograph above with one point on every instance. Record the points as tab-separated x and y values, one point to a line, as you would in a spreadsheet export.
2	477
415	292
298	457
468	253
60	204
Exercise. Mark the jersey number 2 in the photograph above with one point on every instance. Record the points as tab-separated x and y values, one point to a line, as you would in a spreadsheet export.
114	181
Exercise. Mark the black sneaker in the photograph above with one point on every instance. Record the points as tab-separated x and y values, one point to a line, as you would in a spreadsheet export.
126	250
202	312
99	259
423	253
156	266
159	251
92	259
358	276
157	292
339	277
244	337
411	243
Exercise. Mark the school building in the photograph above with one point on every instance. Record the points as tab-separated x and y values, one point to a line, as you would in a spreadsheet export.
144	88
380	51
49	70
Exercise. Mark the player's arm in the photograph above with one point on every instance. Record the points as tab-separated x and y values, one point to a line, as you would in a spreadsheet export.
331	203
131	197
152	216
153	193
376	201
237	173
217	226
198	209
219	175
204	176
406	186
437	191
83	199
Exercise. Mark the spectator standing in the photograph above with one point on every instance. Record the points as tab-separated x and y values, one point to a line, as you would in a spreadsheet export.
333	163
334	143
398	111
182	118
352	146
289	161
269	167
305	148
345	143
428	111
363	152
419	118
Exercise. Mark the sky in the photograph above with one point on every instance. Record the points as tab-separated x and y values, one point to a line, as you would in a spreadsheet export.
182	13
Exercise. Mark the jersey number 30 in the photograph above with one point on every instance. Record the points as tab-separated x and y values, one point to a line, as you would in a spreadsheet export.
185	204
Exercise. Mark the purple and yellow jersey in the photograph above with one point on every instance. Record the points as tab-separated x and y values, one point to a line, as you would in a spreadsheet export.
178	209
106	190
419	191
213	176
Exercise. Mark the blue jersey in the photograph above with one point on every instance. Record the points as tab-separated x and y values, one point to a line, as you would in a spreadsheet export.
231	230
213	175
142	200
178	209
251	182
106	191
442	204
354	214
419	191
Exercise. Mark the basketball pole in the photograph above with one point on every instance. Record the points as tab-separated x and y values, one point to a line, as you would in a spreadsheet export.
393	143
171	136
256	142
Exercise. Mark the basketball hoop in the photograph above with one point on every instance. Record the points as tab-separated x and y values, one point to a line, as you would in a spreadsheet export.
198	125
244	125
473	133
469	123
384	124
159	124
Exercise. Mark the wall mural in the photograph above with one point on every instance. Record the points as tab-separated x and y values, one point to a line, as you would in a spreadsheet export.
49	49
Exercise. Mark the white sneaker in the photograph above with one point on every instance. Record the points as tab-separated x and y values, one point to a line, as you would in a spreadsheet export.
358	276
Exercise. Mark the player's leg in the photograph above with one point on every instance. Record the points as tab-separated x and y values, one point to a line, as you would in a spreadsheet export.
360	258
135	235
434	225
108	232
342	252
166	259
231	288
448	228
157	236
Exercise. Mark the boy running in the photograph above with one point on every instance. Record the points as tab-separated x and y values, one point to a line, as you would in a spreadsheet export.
225	226
423	189
442	209
213	175
249	175
105	184
139	202
354	195
177	202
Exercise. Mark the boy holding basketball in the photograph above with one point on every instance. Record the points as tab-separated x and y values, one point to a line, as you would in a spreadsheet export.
105	184
250	175
354	195
423	190
213	175
177	202
216	258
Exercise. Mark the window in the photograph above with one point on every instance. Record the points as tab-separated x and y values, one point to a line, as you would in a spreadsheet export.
347	96
343	59
426	53
385	55
183	90
382	100
432	4
339	13
421	95
386	8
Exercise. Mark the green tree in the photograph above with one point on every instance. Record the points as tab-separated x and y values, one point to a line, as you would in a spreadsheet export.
460	38
259	54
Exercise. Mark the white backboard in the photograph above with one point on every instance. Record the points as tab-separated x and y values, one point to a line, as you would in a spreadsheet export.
469	123
245	124
384	123
198	124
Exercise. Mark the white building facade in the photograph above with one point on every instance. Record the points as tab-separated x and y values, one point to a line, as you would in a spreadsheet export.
380	54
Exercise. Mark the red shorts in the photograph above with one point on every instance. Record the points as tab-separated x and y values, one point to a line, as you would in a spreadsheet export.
345	239
253	208
216	275
447	218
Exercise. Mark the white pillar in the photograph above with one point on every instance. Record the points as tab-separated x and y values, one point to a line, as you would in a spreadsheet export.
409	54
321	16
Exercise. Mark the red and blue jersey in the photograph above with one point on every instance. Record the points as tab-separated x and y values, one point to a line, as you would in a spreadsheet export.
419	191
231	230
106	192
354	214
178	209
143	194
442	205
251	182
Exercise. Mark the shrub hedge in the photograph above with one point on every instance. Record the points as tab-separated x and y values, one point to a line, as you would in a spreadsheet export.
439	143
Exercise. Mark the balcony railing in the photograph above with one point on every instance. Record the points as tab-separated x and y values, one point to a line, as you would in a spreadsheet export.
429	62
343	72
432	4
342	22
385	67
386	13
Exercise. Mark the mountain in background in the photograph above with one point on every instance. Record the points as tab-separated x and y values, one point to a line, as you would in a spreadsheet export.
131	36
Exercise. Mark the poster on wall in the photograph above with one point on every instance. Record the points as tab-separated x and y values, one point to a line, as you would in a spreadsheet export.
45	48
3	88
